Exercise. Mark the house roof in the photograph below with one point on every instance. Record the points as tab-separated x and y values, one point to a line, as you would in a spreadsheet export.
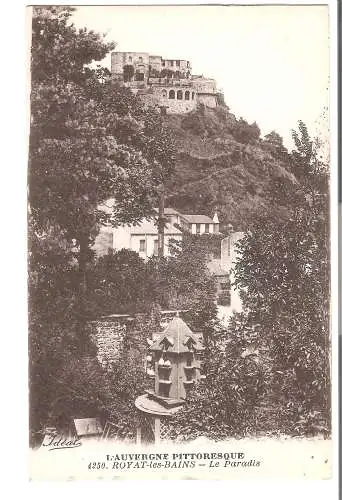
178	336
170	211
198	219
150	227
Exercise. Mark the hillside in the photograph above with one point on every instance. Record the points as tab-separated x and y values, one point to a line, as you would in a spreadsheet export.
223	164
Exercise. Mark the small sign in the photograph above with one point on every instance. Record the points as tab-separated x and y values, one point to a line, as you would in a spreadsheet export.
88	426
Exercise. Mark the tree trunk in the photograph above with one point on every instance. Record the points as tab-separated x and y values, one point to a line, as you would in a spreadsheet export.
82	290
161	223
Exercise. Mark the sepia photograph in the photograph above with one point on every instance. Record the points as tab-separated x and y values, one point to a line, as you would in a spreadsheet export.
179	242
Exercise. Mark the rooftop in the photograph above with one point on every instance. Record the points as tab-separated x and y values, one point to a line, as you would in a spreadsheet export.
178	336
150	227
198	219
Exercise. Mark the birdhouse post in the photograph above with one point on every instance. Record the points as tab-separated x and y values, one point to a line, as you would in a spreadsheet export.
174	362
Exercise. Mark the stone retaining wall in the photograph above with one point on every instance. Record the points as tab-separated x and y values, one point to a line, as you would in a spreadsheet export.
108	336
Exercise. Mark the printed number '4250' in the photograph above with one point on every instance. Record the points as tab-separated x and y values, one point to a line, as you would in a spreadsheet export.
97	465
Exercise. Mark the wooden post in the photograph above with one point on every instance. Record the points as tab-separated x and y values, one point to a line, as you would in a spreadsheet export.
161	224
138	437
157	430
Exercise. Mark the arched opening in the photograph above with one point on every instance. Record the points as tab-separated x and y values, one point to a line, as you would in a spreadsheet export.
179	95
172	94
187	95
164	93
193	96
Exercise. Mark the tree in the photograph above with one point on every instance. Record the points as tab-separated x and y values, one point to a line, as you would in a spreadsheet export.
284	274
118	282
122	281
225	403
268	372
245	132
90	140
304	155
274	143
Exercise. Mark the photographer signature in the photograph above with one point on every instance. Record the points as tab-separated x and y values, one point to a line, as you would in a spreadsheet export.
56	441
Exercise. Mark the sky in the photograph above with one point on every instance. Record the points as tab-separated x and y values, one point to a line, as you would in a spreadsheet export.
272	62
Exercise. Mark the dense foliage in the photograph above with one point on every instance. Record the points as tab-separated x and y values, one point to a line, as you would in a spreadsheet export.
223	164
123	282
90	140
270	371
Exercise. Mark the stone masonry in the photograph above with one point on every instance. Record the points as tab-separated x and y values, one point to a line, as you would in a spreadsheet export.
165	83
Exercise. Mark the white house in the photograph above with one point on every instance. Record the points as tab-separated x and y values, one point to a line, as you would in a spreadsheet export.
141	238
229	255
172	216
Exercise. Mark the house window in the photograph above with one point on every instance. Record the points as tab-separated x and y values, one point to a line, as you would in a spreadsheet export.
155	247
172	94
130	58
178	63
142	246
139	77
179	95
140	59
163	63
193	96
187	95
164	93
206	228
198	228
171	63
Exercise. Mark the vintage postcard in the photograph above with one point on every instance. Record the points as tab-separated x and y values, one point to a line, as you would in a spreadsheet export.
179	242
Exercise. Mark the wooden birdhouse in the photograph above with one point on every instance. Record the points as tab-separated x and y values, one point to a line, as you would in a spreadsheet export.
176	360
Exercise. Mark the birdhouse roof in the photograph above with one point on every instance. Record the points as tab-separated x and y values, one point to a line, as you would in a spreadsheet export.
177	337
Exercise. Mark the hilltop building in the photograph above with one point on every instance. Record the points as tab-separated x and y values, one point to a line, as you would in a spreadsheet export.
166	83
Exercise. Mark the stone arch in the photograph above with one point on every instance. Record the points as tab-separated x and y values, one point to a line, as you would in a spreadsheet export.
179	95
187	95
172	94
